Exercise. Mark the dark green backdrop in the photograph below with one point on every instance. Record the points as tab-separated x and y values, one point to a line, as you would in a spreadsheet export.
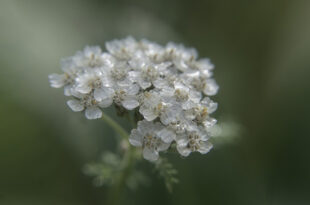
261	50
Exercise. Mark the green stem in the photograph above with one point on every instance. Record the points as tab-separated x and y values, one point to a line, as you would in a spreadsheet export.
126	164
115	126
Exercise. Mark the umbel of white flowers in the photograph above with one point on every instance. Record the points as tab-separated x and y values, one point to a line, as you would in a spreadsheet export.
168	85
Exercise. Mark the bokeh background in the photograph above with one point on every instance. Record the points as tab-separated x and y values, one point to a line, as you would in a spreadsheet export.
261	50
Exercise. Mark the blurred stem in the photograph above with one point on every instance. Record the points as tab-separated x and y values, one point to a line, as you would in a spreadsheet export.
120	183
127	161
121	131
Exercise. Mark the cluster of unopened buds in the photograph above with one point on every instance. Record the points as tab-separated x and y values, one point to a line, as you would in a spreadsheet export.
168	86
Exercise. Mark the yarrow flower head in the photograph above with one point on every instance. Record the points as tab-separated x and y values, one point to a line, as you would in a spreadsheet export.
168	86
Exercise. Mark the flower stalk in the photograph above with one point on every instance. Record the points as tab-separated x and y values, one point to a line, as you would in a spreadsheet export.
119	129
126	163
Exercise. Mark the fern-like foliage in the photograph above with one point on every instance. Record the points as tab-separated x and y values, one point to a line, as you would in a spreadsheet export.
106	171
166	170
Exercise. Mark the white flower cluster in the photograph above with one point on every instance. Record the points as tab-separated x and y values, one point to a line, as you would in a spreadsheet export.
167	84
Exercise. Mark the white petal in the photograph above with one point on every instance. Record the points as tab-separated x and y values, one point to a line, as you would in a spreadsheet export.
116	47
160	83
93	113
130	104
75	105
166	135
133	76
167	91
183	150
83	89
188	105
195	96
103	94
211	87
163	66
149	154
108	59
182	140
136	63
144	126
57	80
144	84
157	126
189	114
124	83
133	89
209	122
206	101
181	86
147	113
92	50
163	146
68	90
204	136
105	102
205	147
106	81
136	138
212	106
75	93
205	66
170	114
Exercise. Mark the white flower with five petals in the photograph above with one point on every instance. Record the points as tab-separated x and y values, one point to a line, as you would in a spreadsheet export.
127	96
148	136
88	103
195	140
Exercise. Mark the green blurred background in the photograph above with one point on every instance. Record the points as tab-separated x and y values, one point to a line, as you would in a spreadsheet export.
261	50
